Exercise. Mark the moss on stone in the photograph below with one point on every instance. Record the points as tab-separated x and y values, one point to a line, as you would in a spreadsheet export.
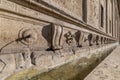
23	75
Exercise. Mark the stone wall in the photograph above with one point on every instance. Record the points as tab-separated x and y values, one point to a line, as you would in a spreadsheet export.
72	7
93	13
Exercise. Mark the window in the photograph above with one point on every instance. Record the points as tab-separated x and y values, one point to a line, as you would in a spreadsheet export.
84	10
110	24
107	17
102	17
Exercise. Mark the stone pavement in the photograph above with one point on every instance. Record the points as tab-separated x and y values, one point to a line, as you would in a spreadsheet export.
109	69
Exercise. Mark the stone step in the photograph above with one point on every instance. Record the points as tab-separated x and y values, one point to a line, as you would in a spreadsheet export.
108	69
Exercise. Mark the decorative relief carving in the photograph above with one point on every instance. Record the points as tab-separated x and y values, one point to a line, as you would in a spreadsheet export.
101	40
27	36
57	31
2	65
83	39
88	39
19	61
107	40
80	36
97	40
69	37
23	60
90	36
94	39
77	37
104	40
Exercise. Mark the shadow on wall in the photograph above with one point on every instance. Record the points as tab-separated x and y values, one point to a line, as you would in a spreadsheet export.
46	33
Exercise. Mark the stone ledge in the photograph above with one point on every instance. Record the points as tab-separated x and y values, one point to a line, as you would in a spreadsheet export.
109	69
87	60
